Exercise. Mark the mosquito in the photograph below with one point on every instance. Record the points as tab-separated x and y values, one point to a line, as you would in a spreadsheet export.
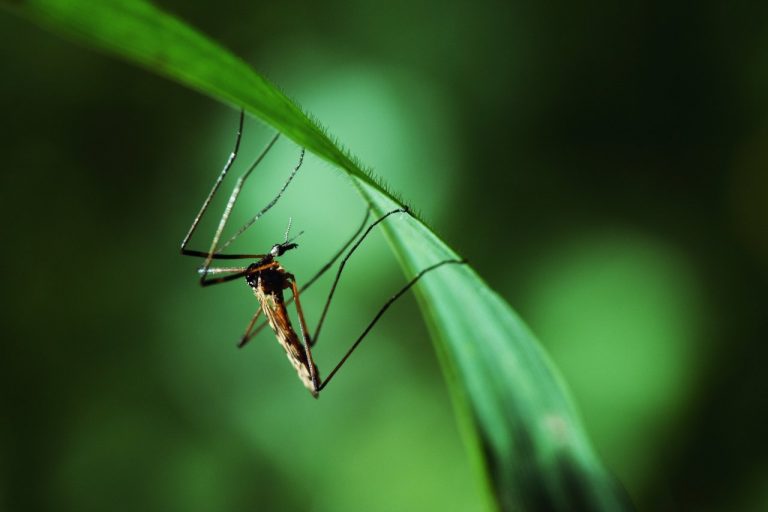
269	279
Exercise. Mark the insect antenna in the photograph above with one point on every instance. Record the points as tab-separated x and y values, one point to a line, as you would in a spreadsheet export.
288	231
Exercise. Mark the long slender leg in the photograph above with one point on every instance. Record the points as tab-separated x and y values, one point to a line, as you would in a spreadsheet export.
379	315
238	272
264	210
305	337
341	268
215	254
338	254
218	280
231	203
216	186
232	274
320	272
247	335
221	270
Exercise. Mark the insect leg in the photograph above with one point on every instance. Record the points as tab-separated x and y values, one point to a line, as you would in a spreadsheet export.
305	337
272	203
237	272
338	254
379	315
248	331
231	203
215	188
248	334
214	252
341	268
218	256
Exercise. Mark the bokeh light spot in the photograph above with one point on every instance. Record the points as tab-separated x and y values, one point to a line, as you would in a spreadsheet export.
621	316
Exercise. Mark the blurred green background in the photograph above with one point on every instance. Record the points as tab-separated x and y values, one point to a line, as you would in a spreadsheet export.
603	166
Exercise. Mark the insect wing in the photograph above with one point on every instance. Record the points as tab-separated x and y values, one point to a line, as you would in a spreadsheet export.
277	316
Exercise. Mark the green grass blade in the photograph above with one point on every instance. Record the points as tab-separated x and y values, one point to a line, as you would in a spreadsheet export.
523	428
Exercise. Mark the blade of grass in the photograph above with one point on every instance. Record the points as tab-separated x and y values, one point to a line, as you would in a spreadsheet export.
522	428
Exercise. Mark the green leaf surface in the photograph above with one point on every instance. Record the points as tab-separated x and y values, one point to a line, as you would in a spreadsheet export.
520	423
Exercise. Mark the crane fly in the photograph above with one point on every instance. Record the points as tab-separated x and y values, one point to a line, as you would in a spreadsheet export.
268	279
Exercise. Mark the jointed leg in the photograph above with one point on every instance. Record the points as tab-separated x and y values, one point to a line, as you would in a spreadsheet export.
248	331
338	254
341	268
232	274
218	256
237	272
214	252
305	337
272	203
216	186
379	315
231	203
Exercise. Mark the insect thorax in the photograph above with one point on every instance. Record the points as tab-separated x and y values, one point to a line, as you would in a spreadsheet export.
270	280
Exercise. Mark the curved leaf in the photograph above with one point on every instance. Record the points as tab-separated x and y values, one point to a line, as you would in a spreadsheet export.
522	426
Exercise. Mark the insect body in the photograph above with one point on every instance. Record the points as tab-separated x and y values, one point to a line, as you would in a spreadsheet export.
268	279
